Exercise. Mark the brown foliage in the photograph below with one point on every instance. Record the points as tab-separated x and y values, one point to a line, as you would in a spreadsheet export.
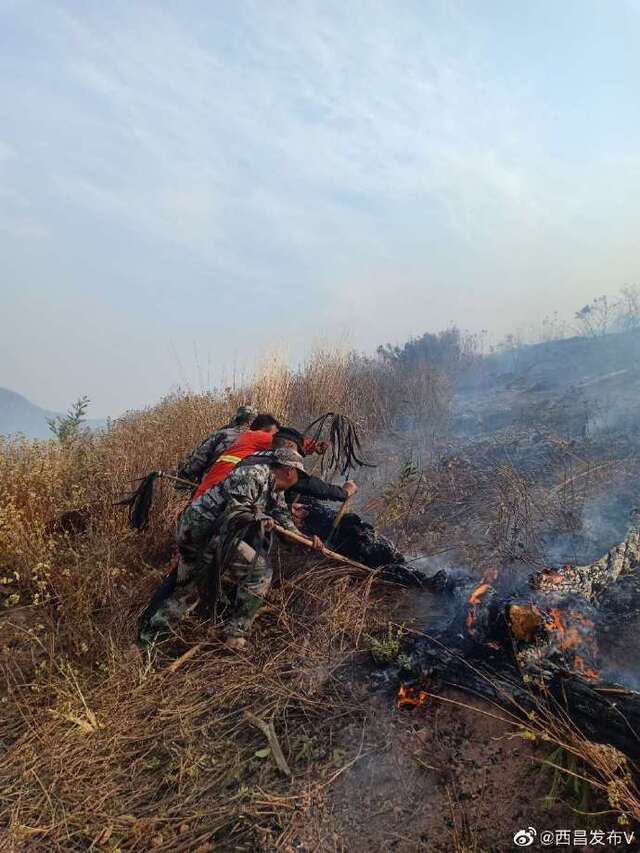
103	748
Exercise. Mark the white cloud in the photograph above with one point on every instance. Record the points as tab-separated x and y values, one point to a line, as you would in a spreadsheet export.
311	111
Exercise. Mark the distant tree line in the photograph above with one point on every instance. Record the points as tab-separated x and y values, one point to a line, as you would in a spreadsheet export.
450	351
603	314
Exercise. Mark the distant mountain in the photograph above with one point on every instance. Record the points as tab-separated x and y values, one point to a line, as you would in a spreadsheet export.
17	414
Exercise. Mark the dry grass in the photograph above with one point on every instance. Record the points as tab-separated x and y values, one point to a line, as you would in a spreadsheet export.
598	767
150	759
105	749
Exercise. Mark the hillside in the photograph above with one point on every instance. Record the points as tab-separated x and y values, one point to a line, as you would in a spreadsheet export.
512	470
19	415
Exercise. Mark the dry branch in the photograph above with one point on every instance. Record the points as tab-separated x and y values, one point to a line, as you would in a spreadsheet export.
187	656
269	732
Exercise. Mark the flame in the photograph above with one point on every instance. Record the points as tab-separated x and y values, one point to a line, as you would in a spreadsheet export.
487	579
551	580
581	667
411	697
477	593
573	630
571	635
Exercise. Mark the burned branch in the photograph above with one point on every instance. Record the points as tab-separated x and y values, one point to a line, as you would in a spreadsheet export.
516	647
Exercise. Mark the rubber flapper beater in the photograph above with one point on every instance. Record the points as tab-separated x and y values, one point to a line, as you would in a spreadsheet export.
344	443
140	501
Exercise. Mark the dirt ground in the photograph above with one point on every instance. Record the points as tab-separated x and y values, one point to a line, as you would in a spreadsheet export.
451	775
439	778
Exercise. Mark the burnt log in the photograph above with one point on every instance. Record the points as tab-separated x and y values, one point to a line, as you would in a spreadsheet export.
592	581
601	712
355	538
542	642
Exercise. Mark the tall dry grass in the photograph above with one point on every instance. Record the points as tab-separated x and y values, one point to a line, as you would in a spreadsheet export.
84	717
50	489
103	748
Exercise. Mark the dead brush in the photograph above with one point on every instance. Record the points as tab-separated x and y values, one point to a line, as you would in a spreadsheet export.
102	747
576	763
145	759
584	765
395	501
514	531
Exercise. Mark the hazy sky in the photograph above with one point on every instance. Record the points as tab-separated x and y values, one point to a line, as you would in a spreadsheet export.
184	184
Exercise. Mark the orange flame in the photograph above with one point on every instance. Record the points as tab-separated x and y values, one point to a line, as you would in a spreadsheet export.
487	579
583	669
411	697
477	593
573	630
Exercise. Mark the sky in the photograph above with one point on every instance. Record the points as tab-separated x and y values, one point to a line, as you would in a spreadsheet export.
185	187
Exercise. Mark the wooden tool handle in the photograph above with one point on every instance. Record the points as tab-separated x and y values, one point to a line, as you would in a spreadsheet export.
326	552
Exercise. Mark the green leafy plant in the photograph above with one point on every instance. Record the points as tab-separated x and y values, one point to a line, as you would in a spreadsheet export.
66	427
385	649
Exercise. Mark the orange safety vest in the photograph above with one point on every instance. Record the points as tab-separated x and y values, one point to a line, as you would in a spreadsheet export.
249	442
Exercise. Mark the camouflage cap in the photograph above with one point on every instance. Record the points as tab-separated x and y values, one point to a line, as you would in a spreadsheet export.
245	412
243	415
289	459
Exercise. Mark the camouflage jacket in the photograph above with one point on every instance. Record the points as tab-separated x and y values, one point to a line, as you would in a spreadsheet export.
249	487
202	458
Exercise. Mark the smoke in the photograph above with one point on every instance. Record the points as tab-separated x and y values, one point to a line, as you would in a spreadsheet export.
604	521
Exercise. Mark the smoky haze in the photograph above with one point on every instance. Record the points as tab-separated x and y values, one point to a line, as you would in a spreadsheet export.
185	187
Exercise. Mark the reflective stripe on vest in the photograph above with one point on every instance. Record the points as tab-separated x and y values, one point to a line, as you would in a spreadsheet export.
228	458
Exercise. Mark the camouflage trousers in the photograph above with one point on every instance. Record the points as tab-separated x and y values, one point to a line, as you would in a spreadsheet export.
180	592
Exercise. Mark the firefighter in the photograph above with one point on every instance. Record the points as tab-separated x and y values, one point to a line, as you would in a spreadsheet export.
264	435
228	530
200	460
259	436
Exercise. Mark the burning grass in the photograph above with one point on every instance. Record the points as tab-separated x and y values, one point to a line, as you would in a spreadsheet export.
535	715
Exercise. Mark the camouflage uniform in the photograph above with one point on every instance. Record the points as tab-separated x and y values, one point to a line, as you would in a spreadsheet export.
202	458
248	490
